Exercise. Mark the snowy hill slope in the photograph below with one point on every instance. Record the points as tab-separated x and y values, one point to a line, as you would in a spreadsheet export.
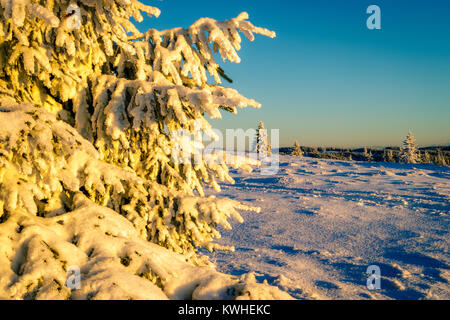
324	222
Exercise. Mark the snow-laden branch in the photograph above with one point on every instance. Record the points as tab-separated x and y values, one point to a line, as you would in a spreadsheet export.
181	53
44	162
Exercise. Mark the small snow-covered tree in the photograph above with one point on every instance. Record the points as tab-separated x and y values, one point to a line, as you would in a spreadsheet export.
440	159
388	155
367	155
426	157
408	150
349	155
98	106
262	145
297	150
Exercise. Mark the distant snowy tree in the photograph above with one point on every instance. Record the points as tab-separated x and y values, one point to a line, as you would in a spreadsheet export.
262	145
367	155
440	159
388	155
408	150
426	157
94	109
297	150
348	154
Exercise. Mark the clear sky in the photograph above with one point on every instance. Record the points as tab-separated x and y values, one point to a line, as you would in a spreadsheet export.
327	80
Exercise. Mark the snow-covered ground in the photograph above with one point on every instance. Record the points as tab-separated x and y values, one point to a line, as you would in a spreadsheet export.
324	222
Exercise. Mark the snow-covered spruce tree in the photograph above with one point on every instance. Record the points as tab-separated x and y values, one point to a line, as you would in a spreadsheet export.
87	116
440	159
388	155
262	145
297	150
350	157
348	154
426	158
408	150
367	155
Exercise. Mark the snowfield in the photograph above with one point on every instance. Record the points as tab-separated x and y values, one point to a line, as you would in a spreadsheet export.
323	223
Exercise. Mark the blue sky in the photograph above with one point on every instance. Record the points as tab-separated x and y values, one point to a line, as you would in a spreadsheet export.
327	80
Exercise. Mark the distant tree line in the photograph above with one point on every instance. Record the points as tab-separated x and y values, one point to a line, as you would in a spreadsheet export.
436	155
407	153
